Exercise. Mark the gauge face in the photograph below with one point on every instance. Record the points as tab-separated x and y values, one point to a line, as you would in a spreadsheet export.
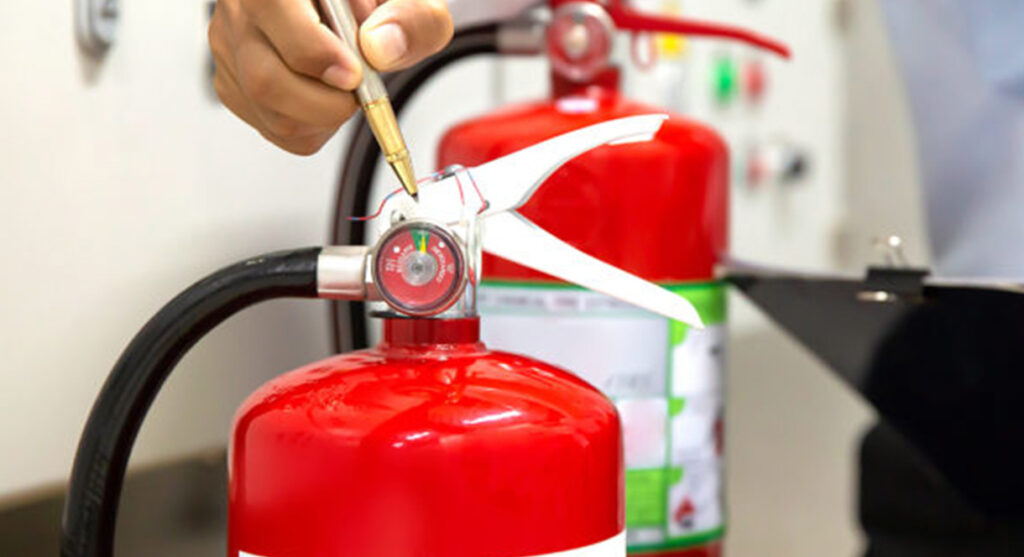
419	269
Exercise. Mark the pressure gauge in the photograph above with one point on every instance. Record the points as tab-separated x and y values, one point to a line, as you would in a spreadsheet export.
419	268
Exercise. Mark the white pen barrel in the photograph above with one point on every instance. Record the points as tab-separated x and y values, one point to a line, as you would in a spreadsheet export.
343	22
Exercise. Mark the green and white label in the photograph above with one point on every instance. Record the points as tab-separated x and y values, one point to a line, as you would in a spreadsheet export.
665	378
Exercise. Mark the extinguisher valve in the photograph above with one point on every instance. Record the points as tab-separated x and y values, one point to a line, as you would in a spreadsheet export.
427	260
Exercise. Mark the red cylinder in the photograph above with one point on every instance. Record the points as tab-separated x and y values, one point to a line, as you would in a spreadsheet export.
429	444
659	210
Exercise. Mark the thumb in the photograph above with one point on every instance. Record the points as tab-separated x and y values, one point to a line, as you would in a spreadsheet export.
400	33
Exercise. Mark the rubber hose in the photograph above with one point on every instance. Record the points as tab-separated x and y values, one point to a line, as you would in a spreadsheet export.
362	158
90	510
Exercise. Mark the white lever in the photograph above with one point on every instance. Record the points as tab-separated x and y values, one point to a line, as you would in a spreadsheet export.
509	182
511	236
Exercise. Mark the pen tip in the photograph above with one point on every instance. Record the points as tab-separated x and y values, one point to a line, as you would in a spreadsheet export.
403	169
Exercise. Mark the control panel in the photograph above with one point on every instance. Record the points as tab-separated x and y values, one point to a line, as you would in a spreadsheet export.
782	119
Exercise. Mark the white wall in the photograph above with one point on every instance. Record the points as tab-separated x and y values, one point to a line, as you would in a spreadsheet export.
884	194
120	186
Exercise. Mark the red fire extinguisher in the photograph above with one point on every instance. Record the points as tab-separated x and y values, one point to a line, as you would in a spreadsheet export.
658	210
429	444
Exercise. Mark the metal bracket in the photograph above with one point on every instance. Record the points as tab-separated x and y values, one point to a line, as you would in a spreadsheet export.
96	24
895	281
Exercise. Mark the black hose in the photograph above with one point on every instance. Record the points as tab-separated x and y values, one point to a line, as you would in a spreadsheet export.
90	511
363	156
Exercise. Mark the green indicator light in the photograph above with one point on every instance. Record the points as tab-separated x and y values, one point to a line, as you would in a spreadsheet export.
726	80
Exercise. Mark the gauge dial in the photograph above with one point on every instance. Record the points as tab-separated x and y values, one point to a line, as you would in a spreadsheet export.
419	269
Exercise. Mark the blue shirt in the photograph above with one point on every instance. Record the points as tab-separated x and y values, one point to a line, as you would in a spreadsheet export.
964	67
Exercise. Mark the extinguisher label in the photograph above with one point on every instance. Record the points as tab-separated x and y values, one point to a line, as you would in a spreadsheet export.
665	378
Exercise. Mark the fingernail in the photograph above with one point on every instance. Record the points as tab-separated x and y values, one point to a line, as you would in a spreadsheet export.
340	77
388	42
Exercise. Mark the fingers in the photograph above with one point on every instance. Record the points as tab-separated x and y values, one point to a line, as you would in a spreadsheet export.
231	94
304	44
296	142
287	75
297	113
400	33
292	109
270	83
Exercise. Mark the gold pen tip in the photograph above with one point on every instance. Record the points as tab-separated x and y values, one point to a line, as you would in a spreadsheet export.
403	169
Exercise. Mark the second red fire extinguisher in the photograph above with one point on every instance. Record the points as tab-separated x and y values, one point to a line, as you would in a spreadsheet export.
659	210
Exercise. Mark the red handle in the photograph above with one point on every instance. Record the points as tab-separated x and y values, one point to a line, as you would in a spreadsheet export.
628	19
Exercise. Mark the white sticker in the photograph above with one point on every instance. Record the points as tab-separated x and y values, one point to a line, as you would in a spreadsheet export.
698	362
643	431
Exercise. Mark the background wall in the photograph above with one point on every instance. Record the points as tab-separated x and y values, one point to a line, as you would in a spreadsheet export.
884	192
123	182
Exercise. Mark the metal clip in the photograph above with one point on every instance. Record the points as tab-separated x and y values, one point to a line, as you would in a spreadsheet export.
897	280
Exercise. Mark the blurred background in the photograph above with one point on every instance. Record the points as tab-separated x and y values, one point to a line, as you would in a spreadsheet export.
124	180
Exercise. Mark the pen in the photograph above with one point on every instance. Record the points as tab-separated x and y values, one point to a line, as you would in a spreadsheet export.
373	97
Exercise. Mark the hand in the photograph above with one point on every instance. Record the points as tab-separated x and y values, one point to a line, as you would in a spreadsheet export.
289	76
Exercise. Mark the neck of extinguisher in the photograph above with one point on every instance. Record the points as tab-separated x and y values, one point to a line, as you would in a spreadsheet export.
409	333
605	84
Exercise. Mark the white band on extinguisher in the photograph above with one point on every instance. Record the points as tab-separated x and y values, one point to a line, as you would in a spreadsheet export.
612	547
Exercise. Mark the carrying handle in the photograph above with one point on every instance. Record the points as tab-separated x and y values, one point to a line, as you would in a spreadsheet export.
468	13
628	19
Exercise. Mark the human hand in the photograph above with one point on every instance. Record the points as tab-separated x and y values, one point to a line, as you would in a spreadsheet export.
286	74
